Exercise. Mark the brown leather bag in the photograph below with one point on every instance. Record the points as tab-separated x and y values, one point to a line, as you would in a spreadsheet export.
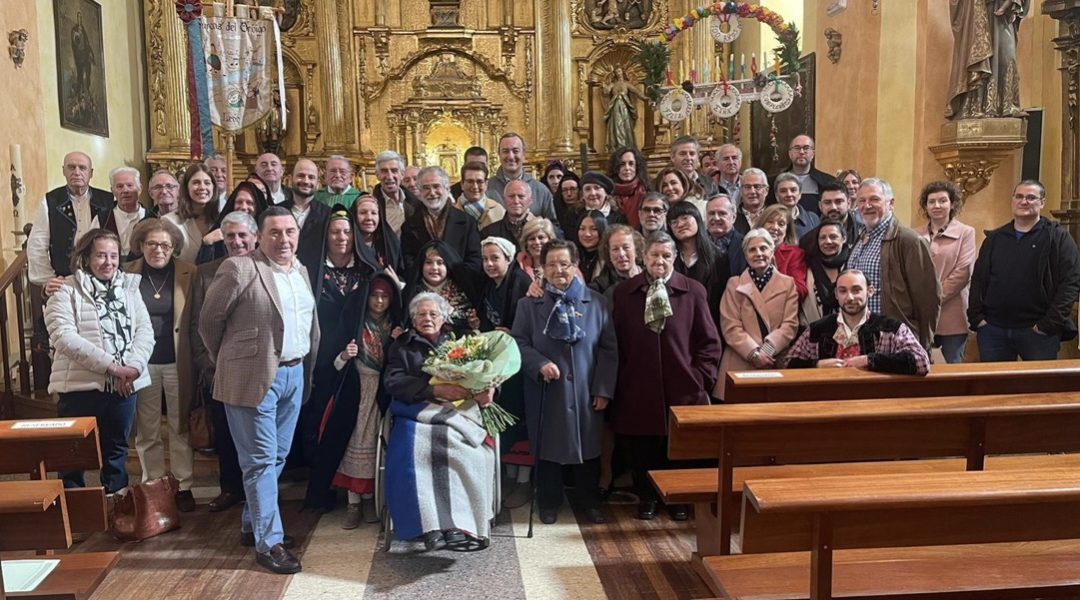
146	510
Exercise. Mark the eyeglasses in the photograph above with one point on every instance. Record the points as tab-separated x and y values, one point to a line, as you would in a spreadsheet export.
429	315
801	148
653	210
754	186
172	187
1028	197
559	266
164	246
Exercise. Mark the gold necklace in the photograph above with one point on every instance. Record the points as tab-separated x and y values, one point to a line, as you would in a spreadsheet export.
157	288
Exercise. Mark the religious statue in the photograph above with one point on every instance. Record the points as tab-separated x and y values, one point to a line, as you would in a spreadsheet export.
985	80
609	14
620	114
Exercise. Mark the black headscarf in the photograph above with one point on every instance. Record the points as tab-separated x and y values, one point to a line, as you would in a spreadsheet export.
218	250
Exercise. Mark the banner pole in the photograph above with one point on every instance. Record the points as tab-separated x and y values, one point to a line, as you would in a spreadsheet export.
230	154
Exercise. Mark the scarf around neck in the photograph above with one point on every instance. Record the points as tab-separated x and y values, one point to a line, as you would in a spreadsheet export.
657	305
111	306
562	323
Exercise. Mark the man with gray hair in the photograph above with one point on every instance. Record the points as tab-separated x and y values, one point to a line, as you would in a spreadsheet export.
438	220
126	187
239	232
410	180
269	167
220	172
896	262
164	192
512	166
754	188
728	167
684	157
396	204
338	179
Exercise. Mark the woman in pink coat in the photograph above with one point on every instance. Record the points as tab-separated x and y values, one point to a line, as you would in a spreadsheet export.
952	248
759	312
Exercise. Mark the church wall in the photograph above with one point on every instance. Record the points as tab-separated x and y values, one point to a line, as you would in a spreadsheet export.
21	104
125	89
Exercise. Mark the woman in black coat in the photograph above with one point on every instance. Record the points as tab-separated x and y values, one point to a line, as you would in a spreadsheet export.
247	198
439	268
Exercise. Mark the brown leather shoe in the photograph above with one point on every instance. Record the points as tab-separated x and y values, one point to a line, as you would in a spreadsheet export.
279	560
225	501
185	501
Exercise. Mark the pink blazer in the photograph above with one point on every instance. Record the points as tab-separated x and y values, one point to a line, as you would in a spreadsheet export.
953	253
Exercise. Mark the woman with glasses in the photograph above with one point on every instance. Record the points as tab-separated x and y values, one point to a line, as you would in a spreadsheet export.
568	201
165	286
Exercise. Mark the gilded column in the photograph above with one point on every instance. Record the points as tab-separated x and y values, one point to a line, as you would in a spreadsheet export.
166	57
540	20
335	77
562	76
1067	13
701	54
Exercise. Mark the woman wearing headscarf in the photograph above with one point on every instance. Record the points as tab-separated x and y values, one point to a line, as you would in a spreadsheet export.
377	236
568	201
362	365
439	269
553	175
568	357
330	412
103	338
246	198
629	172
166	291
596	191
669	351
759	313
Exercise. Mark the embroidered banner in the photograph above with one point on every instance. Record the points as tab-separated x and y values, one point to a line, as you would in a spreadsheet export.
242	65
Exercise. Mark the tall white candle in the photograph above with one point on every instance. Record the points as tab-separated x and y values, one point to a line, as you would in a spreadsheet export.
18	187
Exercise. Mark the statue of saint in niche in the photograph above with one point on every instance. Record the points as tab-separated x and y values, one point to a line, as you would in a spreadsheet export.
609	14
620	112
985	81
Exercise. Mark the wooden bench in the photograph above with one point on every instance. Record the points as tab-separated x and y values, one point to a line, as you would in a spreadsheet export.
39	514
843	537
890	430
968	379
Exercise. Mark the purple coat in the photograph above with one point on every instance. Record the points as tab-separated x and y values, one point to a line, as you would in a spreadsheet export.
677	367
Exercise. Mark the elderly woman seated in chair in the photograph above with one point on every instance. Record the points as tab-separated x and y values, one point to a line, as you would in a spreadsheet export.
440	462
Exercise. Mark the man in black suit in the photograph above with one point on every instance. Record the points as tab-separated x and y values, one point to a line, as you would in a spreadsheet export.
310	215
269	167
437	219
801	153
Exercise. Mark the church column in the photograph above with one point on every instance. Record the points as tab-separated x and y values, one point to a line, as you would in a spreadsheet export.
166	62
562	75
702	52
338	119
1067	14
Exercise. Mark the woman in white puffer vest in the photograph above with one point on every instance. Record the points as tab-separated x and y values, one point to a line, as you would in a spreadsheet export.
102	338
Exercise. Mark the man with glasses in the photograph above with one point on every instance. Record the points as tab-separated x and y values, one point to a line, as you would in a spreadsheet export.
338	180
436	220
1024	283
801	153
653	213
896	263
473	199
512	166
164	192
754	188
472	154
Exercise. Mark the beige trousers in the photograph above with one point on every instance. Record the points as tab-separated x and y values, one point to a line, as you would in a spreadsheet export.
148	442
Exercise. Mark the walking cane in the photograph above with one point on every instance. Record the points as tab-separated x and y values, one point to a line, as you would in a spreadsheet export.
536	457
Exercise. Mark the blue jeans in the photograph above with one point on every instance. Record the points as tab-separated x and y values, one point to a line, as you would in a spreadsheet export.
1000	344
952	346
263	435
115	417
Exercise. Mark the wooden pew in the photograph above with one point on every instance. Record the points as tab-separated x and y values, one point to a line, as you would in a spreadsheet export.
841	537
39	514
968	379
891	430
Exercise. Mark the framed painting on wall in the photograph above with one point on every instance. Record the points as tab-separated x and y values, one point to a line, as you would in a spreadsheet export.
80	66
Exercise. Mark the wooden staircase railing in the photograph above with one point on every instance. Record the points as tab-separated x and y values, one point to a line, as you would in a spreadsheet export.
14	285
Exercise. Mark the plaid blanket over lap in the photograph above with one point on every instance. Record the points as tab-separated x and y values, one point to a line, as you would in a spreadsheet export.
440	470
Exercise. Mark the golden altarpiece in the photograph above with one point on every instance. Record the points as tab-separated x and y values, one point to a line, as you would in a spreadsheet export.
430	78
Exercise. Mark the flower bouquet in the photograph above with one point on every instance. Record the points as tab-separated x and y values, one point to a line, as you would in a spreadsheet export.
478	362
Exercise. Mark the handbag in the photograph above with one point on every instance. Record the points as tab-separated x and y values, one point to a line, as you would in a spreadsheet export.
200	428
144	510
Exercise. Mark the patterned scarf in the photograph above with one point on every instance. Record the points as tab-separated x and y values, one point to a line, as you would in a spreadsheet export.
373	340
657	306
762	280
112	313
562	323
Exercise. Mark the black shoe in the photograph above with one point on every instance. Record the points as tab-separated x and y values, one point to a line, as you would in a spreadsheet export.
678	513
248	540
646	510
185	502
454	537
279	560
433	540
595	516
225	501
548	516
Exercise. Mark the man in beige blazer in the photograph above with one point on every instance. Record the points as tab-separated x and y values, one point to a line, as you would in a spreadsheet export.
259	317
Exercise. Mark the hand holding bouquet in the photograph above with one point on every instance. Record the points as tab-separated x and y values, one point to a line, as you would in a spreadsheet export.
478	363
